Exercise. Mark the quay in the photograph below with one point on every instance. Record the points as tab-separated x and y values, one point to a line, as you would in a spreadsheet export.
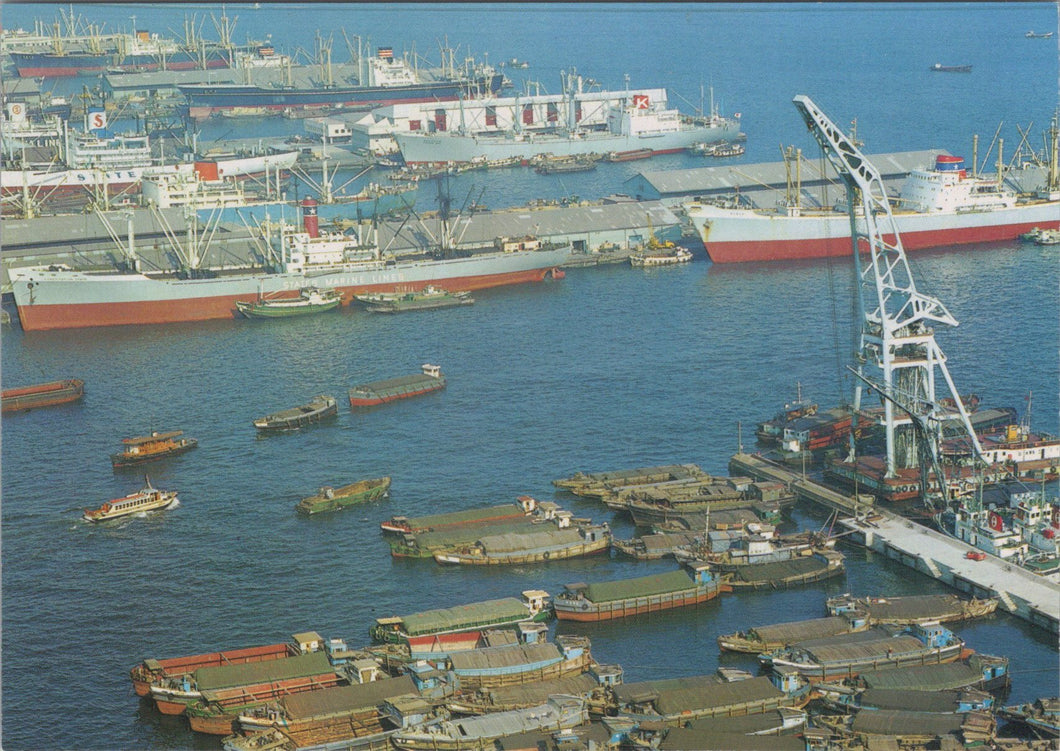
1034	598
1029	596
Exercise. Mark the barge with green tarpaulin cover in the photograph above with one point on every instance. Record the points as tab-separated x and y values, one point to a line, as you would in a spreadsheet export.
332	499
442	630
602	601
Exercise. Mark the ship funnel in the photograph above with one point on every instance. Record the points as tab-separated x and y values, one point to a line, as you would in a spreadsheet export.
309	217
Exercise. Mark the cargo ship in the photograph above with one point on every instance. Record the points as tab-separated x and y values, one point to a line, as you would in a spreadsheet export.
634	123
604	601
126	180
382	80
139	52
940	207
58	298
23	398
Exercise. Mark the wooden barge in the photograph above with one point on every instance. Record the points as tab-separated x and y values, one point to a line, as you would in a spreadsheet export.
674	702
426	631
428	298
24	398
604	601
174	668
845	656
986	672
484	733
332	499
507	698
598	484
940	608
394	389
515	664
333	714
558	543
781	574
759	639
402	525
142	449
257	679
654	546
318	408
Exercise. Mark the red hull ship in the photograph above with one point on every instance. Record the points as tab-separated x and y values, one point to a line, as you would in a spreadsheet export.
43	395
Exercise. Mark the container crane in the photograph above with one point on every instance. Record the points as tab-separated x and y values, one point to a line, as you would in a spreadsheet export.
895	332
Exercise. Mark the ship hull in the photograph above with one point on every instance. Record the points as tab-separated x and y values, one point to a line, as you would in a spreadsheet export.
45	65
63	299
453	147
205	100
743	236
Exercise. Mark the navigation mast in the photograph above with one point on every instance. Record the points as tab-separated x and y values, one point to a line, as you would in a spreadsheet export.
896	334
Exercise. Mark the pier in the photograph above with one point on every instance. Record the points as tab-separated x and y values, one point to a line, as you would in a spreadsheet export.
759	468
1029	596
1033	598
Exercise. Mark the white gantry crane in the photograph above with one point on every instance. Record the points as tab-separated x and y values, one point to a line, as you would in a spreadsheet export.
896	334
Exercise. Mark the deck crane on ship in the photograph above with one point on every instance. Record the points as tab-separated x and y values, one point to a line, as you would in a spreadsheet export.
895	333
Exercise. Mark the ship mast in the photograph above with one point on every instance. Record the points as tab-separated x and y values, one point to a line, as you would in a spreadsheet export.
896	328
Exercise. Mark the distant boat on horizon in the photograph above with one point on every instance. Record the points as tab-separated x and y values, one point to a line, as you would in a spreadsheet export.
940	68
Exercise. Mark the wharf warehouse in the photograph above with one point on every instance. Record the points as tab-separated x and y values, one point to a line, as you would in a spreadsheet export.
83	241
763	185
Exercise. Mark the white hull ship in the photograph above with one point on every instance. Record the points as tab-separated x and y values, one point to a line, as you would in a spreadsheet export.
936	208
59	297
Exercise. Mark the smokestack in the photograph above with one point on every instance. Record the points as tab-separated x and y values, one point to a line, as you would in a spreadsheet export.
309	217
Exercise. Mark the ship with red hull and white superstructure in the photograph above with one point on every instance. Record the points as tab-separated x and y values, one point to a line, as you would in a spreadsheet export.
59	297
940	207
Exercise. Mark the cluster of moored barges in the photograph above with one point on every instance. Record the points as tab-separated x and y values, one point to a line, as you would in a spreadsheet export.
485	675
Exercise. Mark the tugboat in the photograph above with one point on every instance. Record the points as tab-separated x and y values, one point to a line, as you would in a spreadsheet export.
318	408
310	300
148	499
147	448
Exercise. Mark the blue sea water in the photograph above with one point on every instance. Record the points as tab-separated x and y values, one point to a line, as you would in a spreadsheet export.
606	369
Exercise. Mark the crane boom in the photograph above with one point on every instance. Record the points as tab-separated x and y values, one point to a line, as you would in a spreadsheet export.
895	330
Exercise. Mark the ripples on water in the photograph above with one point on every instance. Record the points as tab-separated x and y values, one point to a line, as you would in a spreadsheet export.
608	368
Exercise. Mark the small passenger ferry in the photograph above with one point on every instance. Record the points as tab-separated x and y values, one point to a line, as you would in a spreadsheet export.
147	499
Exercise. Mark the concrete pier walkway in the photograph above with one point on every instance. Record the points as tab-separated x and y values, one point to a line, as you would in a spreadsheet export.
1033	598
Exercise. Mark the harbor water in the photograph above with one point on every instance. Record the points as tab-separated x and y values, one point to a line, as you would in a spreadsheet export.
608	368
